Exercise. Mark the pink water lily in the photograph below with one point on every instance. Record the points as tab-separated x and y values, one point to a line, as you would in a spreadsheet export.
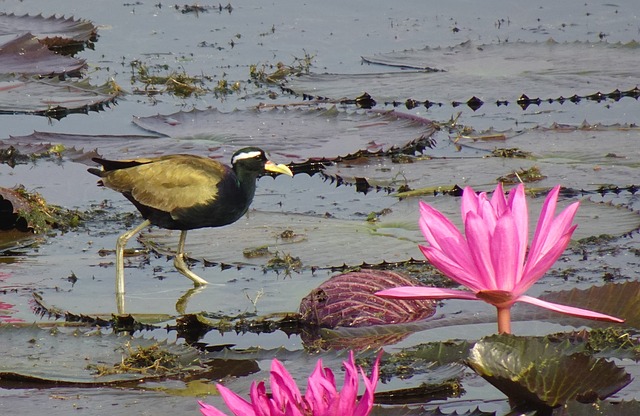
491	258
321	399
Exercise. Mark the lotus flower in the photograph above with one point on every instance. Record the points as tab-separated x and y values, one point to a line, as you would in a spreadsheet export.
491	259
322	397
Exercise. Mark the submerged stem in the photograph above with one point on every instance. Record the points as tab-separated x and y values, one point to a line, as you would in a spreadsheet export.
504	320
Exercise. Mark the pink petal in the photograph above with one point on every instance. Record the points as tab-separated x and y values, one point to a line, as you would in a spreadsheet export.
366	401
283	387
534	270
479	237
208	410
349	394
558	228
544	223
436	227
505	252
487	212
262	405
321	389
469	202
460	269
569	310
418	292
520	213
498	201
235	403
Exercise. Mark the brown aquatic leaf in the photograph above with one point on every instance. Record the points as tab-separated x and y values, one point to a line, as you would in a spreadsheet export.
12	203
27	56
65	35
298	134
52	97
349	300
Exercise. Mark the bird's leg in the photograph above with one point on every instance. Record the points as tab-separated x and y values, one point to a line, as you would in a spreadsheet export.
120	244
182	267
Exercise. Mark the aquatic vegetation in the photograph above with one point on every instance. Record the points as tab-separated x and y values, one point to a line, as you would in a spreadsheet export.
491	259
321	398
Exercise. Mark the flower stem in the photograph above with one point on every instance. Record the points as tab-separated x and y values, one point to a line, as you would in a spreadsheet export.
504	320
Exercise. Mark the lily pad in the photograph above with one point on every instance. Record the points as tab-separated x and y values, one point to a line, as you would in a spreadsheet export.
492	72
319	242
298	134
349	300
617	299
580	157
316	241
534	371
66	35
52	356
52	97
27	56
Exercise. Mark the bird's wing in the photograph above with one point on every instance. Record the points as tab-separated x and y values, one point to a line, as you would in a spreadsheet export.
170	182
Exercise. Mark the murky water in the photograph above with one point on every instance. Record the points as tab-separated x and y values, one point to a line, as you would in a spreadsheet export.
223	45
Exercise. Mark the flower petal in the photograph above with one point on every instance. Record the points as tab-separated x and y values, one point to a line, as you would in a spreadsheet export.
235	403
505	252
321	389
460	269
283	387
479	234
435	226
348	397
534	270
208	410
520	214
366	401
418	292
569	310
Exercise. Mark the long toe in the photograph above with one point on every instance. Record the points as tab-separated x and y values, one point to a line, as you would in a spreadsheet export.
182	267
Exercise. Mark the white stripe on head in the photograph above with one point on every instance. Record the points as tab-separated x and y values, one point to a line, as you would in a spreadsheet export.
245	155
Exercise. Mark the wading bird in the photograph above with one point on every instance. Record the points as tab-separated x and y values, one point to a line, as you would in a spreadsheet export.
184	192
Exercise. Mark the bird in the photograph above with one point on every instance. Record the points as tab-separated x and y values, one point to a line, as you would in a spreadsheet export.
184	192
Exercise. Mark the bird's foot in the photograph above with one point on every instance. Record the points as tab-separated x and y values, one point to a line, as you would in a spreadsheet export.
181	266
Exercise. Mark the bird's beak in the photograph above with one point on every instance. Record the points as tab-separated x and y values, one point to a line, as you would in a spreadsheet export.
272	167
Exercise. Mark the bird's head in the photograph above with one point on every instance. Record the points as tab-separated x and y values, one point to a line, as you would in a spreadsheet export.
253	159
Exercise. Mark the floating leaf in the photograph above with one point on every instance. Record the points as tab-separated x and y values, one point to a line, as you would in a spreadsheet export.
537	372
315	241
617	299
319	242
500	70
423	411
25	55
52	97
52	356
585	157
600	408
66	35
349	300
296	133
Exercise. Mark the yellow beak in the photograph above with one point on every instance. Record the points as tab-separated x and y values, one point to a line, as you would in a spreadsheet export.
272	167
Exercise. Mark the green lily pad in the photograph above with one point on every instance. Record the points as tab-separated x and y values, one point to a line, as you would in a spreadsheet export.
534	371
